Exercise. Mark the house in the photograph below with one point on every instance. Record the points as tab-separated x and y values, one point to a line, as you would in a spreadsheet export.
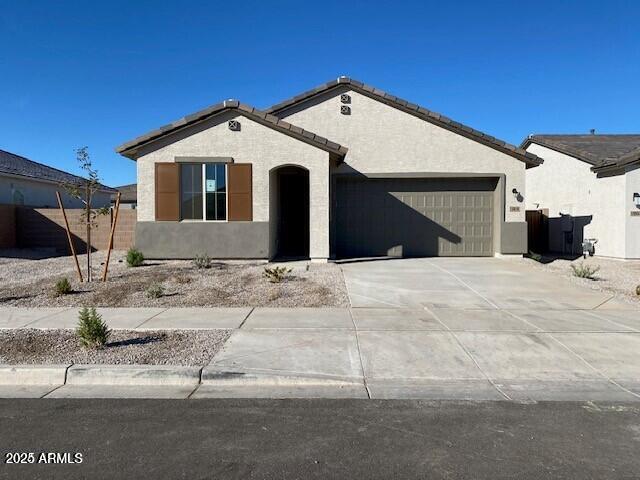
128	196
33	184
343	170
589	186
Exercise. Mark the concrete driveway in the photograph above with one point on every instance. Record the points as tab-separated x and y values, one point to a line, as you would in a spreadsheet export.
482	329
479	283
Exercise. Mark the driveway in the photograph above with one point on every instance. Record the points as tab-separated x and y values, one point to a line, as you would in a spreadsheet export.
478	283
482	329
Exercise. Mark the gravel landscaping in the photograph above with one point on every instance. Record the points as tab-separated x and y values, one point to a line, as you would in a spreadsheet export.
29	282
615	276
174	347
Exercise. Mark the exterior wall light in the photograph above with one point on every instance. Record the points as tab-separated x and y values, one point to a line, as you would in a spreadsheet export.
517	195
636	199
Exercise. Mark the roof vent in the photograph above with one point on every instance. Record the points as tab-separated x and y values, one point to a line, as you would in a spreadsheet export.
345	98
234	125
345	110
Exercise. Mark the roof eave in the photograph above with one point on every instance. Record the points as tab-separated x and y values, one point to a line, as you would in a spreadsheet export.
132	148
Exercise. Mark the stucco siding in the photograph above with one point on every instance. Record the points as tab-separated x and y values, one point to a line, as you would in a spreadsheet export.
41	194
261	146
383	139
566	185
632	222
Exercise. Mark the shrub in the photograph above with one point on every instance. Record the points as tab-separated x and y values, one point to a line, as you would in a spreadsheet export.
135	258
63	286
276	274
92	331
585	271
202	261
155	290
638	290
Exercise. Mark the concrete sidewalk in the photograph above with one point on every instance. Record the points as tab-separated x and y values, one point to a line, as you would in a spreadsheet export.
436	353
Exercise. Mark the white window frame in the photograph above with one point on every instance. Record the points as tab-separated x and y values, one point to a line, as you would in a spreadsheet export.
204	194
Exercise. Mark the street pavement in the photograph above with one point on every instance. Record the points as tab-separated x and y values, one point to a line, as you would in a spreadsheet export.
324	439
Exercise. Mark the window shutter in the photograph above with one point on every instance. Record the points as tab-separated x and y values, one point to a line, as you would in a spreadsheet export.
240	192
168	191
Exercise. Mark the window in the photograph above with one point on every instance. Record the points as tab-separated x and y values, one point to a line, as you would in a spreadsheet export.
203	191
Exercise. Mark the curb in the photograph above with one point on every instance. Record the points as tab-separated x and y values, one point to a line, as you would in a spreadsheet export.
133	375
33	374
225	378
99	375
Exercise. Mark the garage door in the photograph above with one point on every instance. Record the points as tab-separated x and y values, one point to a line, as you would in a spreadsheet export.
414	217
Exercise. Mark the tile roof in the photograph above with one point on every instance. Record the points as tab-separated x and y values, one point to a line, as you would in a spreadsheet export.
128	193
13	164
129	149
437	119
607	151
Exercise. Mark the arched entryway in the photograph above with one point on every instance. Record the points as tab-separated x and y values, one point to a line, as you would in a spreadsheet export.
289	212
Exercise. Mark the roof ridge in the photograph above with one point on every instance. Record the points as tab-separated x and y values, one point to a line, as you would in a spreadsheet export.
413	109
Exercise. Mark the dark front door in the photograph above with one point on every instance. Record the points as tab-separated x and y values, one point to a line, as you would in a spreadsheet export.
294	213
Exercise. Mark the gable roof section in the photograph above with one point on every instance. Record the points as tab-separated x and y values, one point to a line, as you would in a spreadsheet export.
529	159
12	164
130	149
128	193
602	152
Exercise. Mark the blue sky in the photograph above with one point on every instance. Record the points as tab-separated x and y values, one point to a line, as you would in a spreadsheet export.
100	73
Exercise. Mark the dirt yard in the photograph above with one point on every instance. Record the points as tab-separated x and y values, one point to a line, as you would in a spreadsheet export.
175	347
615	276
30	282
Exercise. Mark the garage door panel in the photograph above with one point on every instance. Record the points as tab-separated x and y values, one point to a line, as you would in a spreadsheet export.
414	217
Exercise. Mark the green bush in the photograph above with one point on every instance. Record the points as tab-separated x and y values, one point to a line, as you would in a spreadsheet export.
135	258
63	286
155	290
202	261
276	274
585	271
92	331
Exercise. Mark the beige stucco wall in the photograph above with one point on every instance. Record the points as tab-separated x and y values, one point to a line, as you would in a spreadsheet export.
42	194
566	185
261	146
632	233
383	139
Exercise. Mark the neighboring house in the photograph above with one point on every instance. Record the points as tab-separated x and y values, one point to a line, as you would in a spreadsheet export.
128	196
33	184
344	170
590	187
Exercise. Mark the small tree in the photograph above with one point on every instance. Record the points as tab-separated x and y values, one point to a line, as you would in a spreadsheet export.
84	191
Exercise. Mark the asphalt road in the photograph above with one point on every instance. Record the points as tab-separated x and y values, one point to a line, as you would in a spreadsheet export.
368	439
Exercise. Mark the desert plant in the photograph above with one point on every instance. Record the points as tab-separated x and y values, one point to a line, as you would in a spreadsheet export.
155	290
276	274
135	258
92	331
202	261
638	290
63	286
84	190
585	271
